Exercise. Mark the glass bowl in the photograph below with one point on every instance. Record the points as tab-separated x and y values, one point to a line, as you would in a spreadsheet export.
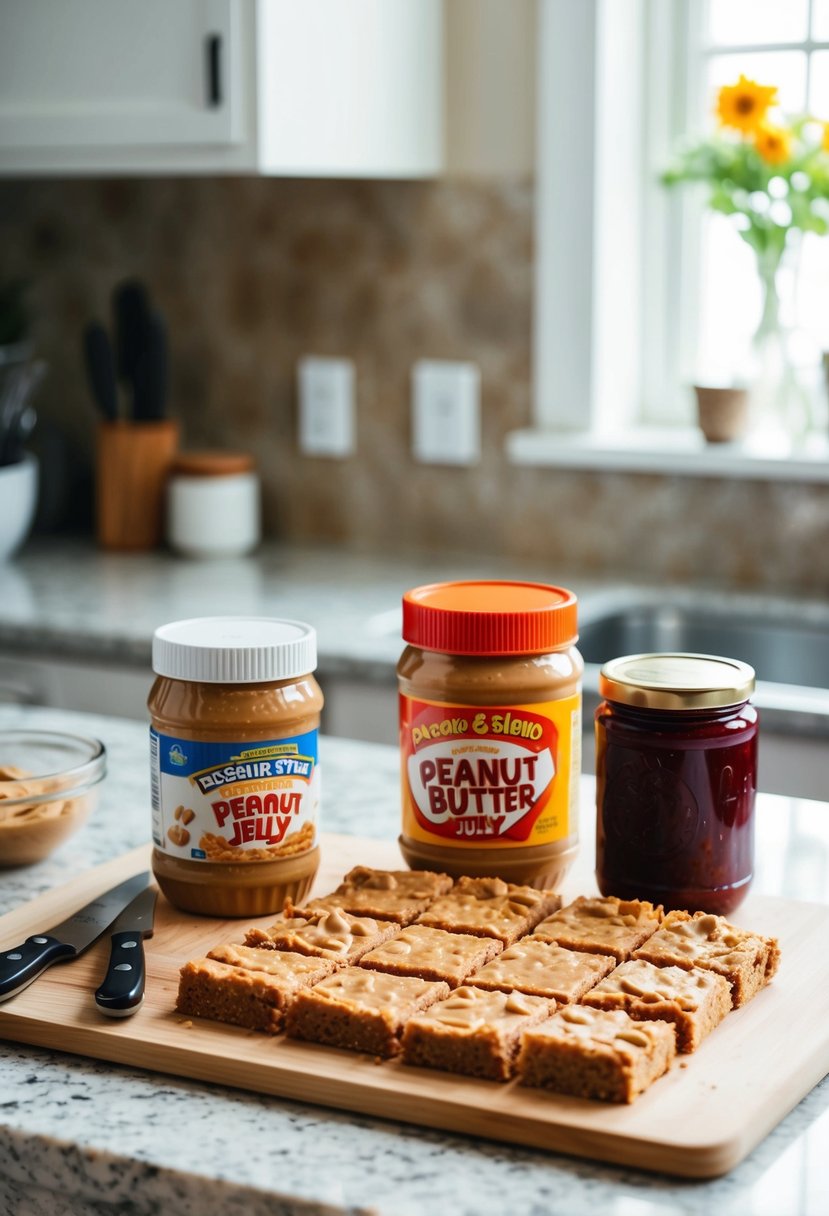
48	787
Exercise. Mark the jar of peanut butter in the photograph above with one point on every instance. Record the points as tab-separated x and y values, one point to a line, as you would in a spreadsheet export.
490	730
235	777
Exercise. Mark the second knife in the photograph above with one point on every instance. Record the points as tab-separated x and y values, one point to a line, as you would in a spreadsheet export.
122	990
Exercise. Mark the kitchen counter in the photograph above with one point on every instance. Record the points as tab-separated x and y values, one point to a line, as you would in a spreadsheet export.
77	1136
76	601
70	599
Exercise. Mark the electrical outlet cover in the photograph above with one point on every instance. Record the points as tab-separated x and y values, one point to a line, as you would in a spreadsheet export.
327	422
446	412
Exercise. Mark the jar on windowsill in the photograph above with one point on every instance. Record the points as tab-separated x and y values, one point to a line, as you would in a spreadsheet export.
676	778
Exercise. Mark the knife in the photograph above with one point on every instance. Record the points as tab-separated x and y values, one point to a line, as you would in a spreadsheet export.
122	990
24	963
100	370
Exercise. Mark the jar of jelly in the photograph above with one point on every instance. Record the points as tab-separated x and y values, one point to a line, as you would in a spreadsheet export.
676	777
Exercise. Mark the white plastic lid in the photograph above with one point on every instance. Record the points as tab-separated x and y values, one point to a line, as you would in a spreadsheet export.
234	650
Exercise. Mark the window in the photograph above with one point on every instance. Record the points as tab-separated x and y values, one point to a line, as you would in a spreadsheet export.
639	290
786	44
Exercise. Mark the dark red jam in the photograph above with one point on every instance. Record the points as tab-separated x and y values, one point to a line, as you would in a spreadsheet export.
675	804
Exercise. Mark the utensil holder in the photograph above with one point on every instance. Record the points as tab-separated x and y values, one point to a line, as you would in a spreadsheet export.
133	463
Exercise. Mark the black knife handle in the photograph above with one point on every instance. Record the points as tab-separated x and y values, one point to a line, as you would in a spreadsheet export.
122	990
21	965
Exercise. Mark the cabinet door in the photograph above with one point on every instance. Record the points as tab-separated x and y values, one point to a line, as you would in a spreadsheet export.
350	88
118	73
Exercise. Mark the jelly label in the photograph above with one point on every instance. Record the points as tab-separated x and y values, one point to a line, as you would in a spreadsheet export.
234	801
478	774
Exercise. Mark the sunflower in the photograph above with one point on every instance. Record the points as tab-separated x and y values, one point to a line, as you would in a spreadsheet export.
773	143
744	105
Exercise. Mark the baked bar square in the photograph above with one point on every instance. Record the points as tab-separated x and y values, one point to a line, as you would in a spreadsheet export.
327	932
255	995
474	1032
398	895
432	954
746	960
543	968
490	907
602	925
595	1053
361	1010
695	1001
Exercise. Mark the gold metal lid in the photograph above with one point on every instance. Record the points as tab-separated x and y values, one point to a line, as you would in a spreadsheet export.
676	681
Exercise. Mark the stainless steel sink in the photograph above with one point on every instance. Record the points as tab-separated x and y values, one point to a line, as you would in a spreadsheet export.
780	653
788	647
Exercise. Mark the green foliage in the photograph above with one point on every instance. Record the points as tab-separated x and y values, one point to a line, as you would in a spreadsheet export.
767	200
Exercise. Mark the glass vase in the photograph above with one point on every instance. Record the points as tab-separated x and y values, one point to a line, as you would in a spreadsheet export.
780	392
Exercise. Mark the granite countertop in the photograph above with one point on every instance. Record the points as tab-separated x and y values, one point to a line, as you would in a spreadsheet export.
77	1136
71	599
67	598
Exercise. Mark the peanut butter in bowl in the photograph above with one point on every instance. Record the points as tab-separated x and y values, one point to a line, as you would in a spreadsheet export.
48	788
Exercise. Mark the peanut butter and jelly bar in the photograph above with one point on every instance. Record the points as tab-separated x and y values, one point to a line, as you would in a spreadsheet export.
473	1032
250	988
695	1001
602	926
327	933
594	1053
490	907
542	968
361	1010
399	895
746	960
432	954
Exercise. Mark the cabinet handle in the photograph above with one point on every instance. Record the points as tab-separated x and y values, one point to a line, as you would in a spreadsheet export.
213	55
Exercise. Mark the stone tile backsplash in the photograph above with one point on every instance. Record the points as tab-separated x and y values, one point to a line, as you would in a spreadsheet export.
253	273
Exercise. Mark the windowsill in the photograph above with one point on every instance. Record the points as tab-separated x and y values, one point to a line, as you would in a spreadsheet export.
671	450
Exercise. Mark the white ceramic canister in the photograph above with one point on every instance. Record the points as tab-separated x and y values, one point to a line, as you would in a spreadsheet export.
213	504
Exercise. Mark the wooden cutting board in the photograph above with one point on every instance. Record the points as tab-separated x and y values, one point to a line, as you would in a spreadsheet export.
699	1121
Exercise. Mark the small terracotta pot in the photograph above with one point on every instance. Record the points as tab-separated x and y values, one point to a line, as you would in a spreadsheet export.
723	412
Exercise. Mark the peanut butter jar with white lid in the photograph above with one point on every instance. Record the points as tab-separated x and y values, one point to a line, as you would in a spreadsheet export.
234	763
490	730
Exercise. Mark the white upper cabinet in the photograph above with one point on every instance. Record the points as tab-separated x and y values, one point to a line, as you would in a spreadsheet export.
315	88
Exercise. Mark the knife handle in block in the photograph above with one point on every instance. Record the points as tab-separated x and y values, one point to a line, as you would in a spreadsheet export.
21	965
122	990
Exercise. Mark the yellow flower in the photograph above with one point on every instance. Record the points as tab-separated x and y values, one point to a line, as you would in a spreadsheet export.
773	143
744	105
826	137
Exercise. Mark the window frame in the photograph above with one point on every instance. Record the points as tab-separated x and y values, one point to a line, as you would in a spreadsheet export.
596	385
599	72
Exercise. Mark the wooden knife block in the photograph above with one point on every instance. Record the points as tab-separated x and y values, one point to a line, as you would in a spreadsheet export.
133	462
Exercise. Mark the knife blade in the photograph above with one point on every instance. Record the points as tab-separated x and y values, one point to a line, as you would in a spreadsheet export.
24	963
122	991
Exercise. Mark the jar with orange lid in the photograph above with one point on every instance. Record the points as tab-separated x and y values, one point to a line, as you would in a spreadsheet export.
490	730
213	504
234	763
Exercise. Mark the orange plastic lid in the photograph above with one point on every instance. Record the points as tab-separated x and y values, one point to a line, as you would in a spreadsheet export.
490	618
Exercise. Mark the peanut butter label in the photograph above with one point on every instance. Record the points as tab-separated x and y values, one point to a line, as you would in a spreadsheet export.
234	801
478	774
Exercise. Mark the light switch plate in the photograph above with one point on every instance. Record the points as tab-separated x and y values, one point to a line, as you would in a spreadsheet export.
326	407
446	412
